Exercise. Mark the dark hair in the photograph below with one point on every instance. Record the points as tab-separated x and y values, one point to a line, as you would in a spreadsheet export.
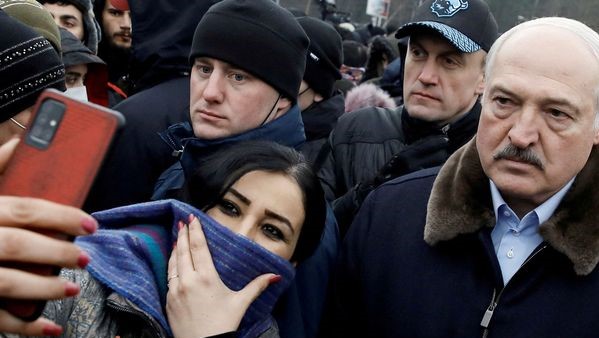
379	49
99	9
355	54
217	172
76	4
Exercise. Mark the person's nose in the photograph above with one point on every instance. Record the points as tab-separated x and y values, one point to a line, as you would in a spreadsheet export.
525	129
429	74
214	91
247	228
125	22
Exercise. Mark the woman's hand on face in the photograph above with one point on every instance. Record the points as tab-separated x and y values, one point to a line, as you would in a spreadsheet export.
198	303
20	243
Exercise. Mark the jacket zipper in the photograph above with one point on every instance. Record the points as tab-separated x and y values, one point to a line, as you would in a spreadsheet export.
176	152
445	129
494	300
120	308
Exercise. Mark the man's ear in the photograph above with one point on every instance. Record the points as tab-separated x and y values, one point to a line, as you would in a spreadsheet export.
596	138
318	97
283	104
480	87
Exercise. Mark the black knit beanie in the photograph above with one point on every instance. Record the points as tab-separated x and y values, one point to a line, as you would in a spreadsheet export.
325	55
28	65
257	36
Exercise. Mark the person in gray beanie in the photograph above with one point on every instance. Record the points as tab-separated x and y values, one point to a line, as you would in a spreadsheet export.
77	16
34	15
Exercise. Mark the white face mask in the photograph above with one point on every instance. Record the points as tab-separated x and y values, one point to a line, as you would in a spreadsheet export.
78	93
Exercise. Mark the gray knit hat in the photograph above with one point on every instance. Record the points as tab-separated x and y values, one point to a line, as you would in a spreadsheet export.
28	65
34	15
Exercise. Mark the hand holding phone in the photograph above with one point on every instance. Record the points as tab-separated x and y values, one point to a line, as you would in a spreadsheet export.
56	161
17	212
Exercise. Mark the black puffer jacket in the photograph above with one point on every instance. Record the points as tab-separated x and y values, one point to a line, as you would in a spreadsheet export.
365	140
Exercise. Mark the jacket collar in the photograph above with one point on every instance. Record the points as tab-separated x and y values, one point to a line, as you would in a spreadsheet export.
460	203
458	132
287	130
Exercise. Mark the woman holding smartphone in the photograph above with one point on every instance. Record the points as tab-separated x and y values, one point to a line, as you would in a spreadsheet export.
263	213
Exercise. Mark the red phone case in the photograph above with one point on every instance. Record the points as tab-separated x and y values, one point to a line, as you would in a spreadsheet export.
63	172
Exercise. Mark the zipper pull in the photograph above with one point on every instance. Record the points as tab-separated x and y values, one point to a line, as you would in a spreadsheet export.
445	129
487	317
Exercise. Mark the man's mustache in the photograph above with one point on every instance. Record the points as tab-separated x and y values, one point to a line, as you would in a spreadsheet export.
526	155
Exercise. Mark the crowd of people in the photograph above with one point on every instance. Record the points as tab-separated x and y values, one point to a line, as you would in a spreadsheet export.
280	175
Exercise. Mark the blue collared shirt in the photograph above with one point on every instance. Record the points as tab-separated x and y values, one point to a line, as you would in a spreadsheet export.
514	239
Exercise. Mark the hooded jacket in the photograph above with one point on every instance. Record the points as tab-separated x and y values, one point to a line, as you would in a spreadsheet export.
287	130
445	276
93	32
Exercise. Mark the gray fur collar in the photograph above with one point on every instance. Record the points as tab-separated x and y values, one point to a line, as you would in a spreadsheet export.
460	203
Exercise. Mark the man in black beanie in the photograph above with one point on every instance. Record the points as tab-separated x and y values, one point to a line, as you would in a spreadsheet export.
247	62
320	103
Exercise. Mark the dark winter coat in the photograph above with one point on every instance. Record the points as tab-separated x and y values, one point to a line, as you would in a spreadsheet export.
319	120
162	38
364	140
422	264
138	155
299	311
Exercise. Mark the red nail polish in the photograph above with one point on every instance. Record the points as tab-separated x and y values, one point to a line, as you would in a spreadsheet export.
89	225
83	260
191	218
181	225
275	279
71	289
52	330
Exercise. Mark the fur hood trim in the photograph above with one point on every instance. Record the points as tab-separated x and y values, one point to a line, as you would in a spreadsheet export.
460	203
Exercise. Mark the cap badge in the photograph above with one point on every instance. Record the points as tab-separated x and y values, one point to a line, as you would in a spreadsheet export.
448	8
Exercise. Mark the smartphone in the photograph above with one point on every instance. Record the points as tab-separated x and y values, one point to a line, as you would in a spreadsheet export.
57	159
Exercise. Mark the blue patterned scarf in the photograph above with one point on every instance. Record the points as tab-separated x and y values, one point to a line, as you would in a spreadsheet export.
130	252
